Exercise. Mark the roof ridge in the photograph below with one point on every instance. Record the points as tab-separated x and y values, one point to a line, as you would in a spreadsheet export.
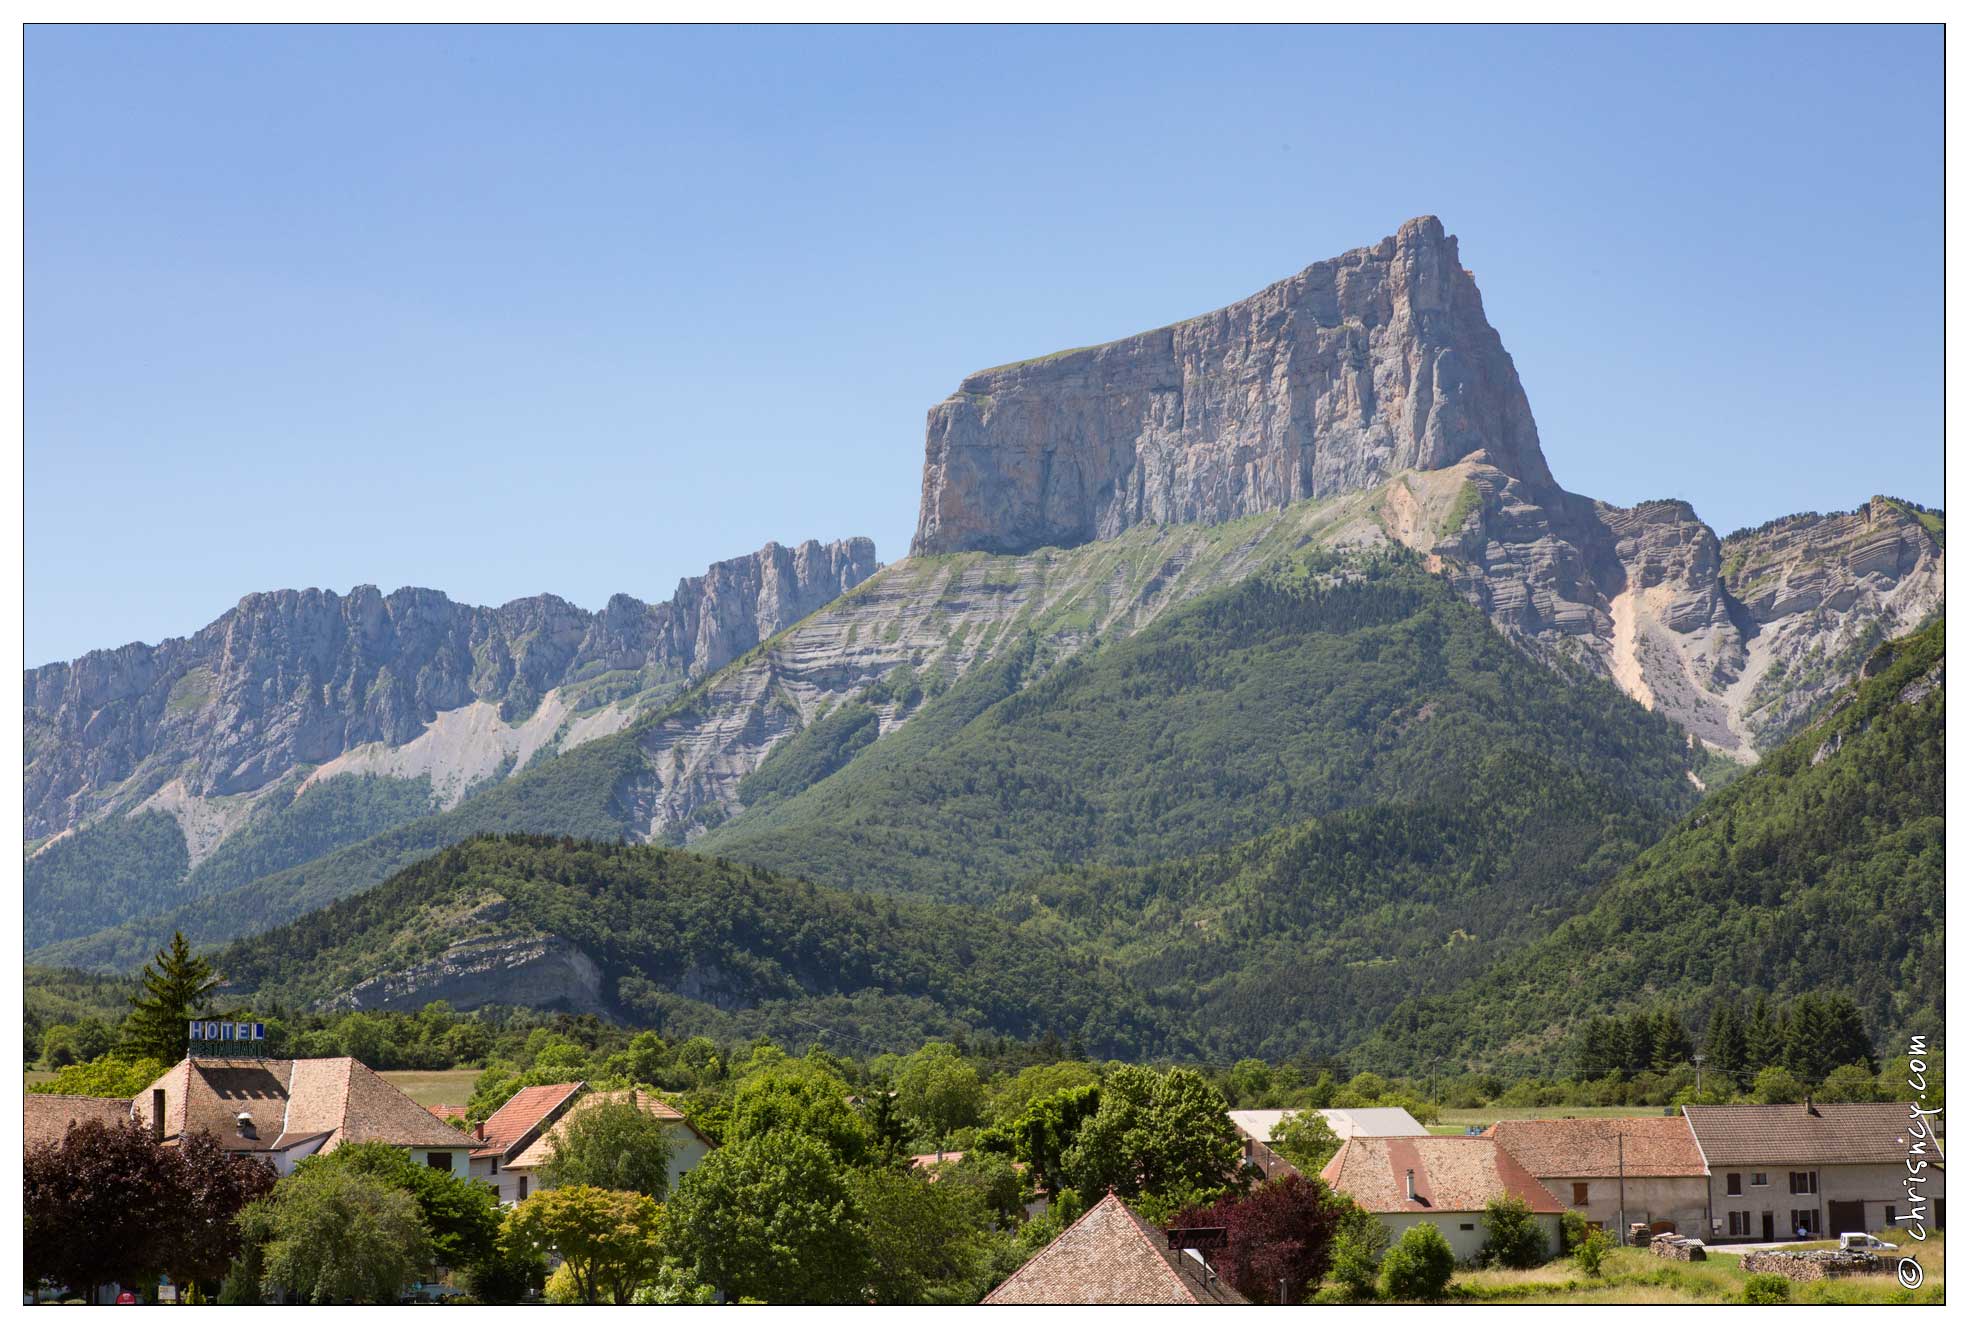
1009	1278
1141	1230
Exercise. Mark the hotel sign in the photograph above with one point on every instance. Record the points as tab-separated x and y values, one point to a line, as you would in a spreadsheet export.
227	1031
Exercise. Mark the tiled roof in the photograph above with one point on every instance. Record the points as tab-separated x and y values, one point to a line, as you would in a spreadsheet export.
446	1111
1110	1257
376	1110
287	1102
1602	1146
1794	1133
47	1117
522	1114
537	1153
1453	1174
1261	1124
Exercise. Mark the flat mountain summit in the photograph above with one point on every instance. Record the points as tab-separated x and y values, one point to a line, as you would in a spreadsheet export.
1352	371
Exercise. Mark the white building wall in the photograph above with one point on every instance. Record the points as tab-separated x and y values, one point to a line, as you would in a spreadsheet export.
1879	1187
461	1160
1465	1231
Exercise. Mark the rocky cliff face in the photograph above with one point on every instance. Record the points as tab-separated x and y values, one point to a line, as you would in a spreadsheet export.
1377	372
293	679
1329	382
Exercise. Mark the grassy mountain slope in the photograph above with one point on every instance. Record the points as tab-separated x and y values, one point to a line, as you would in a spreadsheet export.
1822	867
755	952
1324	684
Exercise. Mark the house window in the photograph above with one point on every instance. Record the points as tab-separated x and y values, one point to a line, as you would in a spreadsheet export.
1804	1183
1734	1184
1806	1220
495	1166
1890	1215
1579	1192
522	1185
442	1162
1468	1227
1739	1222
1759	1179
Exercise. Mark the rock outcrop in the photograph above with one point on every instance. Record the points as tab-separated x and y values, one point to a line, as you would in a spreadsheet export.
1331	381
1378	372
297	678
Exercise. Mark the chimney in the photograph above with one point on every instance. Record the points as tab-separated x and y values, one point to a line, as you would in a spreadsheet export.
1810	1111
1411	1183
157	1114
244	1123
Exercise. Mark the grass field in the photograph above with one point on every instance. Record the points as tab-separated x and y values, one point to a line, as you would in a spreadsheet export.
1454	1120
429	1087
1632	1277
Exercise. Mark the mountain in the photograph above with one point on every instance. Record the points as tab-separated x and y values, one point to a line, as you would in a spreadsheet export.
1820	868
1363	408
675	941
1379	368
144	765
1330	382
1326	683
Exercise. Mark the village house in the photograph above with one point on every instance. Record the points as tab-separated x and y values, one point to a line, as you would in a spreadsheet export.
1110	1257
508	1132
1442	1179
1258	1126
284	1111
1823	1169
1616	1170
688	1145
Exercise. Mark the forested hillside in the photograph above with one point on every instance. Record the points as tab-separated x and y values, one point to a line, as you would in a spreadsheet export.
1301	942
1820	869
1331	682
691	945
124	867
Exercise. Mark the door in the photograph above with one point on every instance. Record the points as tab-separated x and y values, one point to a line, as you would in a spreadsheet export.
1846	1216
1770	1227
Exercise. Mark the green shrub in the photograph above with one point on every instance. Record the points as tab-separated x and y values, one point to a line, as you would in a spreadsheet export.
1591	1252
1572	1231
1418	1267
1766	1290
1513	1238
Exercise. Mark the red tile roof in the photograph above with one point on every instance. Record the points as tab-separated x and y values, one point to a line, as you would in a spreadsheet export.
1453	1174
446	1111
519	1118
47	1117
1794	1133
1110	1257
1602	1146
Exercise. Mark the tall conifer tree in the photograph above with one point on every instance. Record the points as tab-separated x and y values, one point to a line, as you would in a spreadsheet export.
176	984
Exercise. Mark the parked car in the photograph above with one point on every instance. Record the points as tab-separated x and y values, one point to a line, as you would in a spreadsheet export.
1864	1241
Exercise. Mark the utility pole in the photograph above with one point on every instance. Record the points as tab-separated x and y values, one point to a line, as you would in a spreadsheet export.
1620	1144
1698	1060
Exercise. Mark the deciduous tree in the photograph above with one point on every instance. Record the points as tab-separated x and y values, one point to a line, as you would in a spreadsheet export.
772	1217
615	1146
609	1241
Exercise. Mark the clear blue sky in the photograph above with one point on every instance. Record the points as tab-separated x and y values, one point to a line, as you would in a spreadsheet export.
511	310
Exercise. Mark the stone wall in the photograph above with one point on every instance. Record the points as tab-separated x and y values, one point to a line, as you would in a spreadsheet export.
1810	1266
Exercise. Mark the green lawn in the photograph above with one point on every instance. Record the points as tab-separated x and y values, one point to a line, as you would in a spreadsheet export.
429	1087
1632	1277
1453	1120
